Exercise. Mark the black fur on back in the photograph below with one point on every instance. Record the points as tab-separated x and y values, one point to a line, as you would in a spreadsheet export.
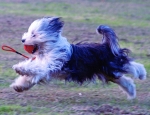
89	60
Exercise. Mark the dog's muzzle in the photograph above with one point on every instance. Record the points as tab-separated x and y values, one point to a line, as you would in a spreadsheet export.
31	48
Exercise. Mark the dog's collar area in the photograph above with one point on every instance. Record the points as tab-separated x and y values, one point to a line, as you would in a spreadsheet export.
31	48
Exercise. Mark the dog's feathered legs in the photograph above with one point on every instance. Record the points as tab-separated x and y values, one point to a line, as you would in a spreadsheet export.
128	86
22	83
136	69
31	72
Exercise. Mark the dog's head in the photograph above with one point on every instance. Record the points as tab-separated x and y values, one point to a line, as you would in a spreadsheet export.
43	30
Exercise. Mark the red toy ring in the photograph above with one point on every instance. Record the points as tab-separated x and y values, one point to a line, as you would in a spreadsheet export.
30	48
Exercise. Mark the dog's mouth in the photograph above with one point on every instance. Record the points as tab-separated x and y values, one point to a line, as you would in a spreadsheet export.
31	48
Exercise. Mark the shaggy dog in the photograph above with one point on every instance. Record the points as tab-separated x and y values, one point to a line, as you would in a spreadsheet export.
57	58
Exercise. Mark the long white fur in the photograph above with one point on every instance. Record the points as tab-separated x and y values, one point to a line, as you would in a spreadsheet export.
49	59
128	86
136	69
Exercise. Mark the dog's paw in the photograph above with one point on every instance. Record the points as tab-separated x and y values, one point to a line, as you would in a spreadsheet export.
18	88
21	88
22	83
18	70
14	66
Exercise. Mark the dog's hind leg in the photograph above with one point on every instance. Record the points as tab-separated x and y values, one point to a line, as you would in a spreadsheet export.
127	84
136	69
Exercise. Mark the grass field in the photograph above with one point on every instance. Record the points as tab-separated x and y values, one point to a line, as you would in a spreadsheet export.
130	20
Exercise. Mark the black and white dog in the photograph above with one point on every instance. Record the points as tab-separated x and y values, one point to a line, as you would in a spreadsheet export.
57	58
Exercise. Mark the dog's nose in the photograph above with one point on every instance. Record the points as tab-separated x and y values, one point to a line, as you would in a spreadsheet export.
23	40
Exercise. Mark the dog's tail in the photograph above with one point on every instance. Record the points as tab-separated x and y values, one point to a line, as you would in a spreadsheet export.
110	38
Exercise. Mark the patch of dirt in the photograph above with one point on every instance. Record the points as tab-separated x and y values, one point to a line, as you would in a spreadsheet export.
112	110
107	109
59	96
12	27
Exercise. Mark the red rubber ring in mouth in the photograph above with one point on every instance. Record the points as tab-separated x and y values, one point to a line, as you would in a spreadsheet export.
30	48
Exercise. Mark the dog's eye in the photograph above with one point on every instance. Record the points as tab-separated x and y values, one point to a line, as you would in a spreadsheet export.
33	35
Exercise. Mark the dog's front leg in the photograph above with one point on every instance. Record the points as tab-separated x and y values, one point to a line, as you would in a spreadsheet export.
35	68
31	73
29	67
22	83
23	68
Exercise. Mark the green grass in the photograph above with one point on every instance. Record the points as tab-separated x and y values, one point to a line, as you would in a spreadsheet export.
92	12
10	73
14	109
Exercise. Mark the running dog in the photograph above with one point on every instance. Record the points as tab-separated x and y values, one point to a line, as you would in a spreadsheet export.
55	57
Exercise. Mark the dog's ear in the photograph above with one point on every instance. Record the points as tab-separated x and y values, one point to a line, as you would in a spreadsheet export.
56	24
